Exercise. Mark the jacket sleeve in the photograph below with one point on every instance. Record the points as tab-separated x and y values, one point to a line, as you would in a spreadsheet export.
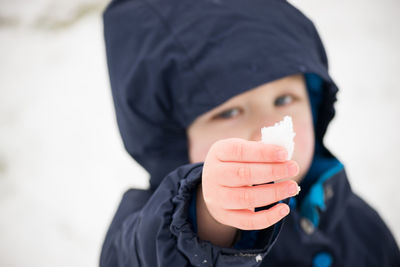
153	229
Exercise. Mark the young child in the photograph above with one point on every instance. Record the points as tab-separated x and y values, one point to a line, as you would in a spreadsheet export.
194	82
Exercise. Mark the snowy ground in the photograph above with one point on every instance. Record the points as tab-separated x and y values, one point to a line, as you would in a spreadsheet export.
62	164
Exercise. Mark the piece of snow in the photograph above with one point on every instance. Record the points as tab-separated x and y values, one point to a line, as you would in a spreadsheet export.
280	134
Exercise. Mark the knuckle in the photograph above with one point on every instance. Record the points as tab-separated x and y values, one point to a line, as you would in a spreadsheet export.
269	171
246	198
227	149
244	174
274	171
237	150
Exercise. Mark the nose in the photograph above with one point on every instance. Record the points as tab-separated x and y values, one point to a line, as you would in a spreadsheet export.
260	121
255	134
262	115
257	124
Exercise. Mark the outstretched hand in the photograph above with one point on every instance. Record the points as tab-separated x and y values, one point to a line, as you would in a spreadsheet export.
238	177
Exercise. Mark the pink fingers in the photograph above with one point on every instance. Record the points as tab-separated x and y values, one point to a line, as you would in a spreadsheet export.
237	178
249	197
235	174
239	150
250	220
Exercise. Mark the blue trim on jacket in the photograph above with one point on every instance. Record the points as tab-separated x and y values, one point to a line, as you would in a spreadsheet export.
315	198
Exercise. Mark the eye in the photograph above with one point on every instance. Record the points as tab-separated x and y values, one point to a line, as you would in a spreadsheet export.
227	114
283	100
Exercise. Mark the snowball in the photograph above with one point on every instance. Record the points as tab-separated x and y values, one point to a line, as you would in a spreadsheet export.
280	134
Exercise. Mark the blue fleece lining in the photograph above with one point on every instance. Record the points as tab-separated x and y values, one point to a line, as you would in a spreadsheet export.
314	200
314	89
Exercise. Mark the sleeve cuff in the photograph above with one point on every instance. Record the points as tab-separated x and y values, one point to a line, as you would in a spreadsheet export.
184	228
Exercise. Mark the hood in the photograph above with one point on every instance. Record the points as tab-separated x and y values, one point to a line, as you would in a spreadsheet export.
171	61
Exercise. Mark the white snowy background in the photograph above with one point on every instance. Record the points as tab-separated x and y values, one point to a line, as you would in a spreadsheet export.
63	168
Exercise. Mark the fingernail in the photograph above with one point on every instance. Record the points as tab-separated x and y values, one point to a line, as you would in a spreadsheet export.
292	169
284	211
282	155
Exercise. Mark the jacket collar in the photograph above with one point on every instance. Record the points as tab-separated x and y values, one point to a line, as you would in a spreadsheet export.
324	188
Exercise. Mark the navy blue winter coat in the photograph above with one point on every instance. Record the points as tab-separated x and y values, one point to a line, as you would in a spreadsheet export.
170	61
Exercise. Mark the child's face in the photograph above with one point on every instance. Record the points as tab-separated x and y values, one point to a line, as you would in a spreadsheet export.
244	115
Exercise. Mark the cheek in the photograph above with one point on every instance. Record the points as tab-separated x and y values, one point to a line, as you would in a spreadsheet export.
198	151
201	139
304	146
199	144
